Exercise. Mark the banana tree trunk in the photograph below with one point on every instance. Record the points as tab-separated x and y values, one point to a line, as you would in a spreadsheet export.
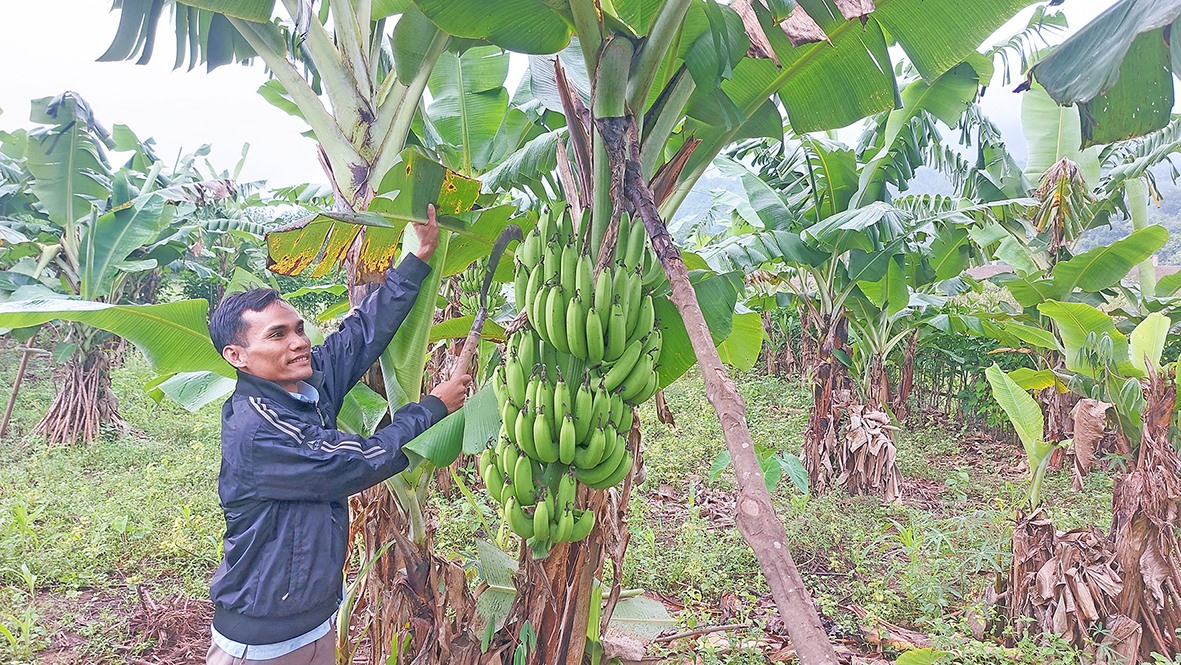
901	400
84	403
1146	505
831	388
756	518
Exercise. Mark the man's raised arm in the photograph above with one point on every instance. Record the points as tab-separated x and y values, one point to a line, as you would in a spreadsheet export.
365	333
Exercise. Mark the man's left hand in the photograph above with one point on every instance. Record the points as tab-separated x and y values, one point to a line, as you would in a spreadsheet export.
428	235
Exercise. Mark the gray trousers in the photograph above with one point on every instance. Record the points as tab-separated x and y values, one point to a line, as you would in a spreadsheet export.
320	652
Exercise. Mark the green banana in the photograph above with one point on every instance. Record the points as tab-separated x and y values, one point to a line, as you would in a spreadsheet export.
604	295
594	337
616	449
564	527
592	454
524	431
645	319
555	320
621	289
567	491
533	285
566	228
584	405
543	438
636	244
537	312
622	368
494	481
514	381
541	516
520	282
629	419
530	250
576	330
526	352
616	340
617	409
520	523
635	291
584	521
508	454
551	260
649	389
602	407
563	402
484	460
617	475
652	343
498	386
621	239
567	440
523	481
568	268
634	384
584	283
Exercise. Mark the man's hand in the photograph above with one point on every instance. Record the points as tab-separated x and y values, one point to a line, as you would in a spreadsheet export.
453	392
428	235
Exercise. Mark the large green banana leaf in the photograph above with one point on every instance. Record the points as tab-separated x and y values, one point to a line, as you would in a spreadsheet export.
468	105
1023	411
1105	266
69	171
1053	132
1117	69
173	336
717	295
114	236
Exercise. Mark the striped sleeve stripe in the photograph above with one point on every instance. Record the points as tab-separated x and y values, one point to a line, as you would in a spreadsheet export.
292	431
273	418
355	446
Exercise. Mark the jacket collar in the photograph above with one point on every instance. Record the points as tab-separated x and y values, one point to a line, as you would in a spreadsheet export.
250	385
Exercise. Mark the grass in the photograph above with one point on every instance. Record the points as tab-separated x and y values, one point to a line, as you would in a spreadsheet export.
96	521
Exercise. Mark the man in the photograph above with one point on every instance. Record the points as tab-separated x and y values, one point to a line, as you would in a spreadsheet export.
287	472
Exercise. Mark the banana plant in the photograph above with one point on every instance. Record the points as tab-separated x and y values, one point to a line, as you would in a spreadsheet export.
98	227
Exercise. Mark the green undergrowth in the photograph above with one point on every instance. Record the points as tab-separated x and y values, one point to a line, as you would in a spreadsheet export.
142	509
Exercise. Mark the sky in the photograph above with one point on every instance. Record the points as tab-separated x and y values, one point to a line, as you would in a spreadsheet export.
50	46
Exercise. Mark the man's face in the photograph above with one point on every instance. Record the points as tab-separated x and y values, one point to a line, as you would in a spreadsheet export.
275	348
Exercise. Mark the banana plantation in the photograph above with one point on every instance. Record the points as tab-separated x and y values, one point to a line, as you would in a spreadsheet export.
790	330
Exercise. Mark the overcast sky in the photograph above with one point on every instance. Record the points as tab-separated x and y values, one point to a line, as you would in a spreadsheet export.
50	46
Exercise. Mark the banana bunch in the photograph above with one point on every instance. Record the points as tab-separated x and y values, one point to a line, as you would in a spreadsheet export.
534	510
467	286
608	320
559	432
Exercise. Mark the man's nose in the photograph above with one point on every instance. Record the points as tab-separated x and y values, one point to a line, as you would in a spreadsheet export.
301	342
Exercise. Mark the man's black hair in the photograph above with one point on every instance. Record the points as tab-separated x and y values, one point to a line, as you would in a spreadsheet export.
226	325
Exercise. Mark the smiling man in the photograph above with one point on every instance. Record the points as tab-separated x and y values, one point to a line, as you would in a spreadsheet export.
287	471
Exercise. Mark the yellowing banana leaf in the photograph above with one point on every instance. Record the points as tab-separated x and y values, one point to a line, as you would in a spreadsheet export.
321	241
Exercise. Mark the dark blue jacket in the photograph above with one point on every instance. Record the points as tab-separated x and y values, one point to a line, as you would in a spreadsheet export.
287	473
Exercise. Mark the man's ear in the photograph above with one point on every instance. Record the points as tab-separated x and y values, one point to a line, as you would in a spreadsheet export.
234	355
